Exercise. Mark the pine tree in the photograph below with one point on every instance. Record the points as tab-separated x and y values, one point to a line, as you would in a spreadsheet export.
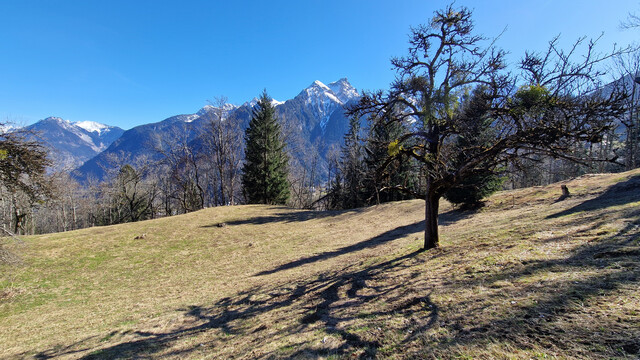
351	166
401	173
475	133
266	162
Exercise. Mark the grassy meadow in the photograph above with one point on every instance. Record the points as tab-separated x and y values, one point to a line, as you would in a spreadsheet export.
525	277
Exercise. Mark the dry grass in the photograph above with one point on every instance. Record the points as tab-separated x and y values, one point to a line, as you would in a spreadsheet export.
525	277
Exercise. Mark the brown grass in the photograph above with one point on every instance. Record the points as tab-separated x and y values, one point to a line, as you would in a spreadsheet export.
525	277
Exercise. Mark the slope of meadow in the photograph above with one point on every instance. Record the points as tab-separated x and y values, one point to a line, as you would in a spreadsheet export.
525	277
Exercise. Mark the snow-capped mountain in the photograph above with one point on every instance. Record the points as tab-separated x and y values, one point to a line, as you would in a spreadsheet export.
343	90
319	110
316	114
92	126
72	143
210	109
145	141
321	100
254	102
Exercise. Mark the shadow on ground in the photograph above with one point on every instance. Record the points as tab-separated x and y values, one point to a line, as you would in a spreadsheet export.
618	194
290	217
373	242
453	216
325	303
388	309
555	318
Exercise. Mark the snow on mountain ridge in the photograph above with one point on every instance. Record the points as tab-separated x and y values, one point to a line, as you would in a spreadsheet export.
65	124
5	128
254	102
207	109
318	90
322	101
320	84
90	133
344	90
191	118
92	126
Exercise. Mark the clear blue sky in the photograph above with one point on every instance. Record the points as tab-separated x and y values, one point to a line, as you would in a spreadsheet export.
132	62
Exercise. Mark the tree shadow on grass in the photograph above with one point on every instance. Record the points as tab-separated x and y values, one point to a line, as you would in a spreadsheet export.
318	304
618	194
555	319
373	242
452	216
290	217
351	307
59	351
550	321
328	303
350	303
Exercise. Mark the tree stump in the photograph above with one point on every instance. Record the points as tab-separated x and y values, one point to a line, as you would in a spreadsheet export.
565	193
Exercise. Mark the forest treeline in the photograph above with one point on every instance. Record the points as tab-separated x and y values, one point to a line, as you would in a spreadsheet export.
456	123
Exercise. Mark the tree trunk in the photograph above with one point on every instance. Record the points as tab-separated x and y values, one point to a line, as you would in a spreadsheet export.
74	216
432	202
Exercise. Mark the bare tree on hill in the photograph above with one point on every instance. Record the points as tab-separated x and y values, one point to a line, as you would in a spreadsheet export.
223	142
186	170
23	164
450	80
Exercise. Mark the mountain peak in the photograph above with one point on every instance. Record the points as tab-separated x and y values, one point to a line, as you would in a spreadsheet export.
340	91
206	109
92	126
55	118
319	84
255	100
344	90
344	80
72	143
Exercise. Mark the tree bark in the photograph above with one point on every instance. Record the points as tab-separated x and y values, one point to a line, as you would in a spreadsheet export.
432	202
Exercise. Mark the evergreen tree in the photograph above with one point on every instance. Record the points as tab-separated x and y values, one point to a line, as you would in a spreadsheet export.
383	182
266	162
475	134
351	166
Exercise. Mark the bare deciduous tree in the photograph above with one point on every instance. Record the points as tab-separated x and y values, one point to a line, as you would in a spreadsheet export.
548	108
23	162
223	142
628	73
185	170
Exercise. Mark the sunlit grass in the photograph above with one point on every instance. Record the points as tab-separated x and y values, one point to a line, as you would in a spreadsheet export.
524	277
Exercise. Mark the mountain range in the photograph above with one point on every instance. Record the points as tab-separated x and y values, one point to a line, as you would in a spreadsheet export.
70	144
316	116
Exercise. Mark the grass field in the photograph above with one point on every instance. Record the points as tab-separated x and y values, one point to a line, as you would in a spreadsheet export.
526	277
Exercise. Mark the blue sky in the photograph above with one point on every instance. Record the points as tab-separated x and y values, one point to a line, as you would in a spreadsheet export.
132	62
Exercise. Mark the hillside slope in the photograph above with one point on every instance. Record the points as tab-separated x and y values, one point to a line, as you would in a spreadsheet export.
525	277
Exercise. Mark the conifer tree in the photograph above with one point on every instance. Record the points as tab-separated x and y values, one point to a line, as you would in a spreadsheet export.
396	180
475	133
352	167
266	162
